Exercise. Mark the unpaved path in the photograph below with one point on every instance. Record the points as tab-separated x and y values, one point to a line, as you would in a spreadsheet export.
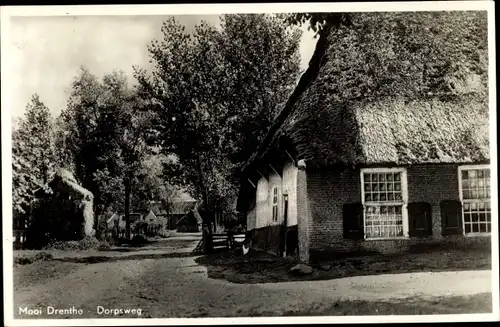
391	286
164	285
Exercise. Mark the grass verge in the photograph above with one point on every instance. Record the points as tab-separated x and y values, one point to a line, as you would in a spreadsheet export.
479	303
259	267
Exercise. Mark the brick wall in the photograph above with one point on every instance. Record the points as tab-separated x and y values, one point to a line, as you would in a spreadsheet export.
328	191
432	184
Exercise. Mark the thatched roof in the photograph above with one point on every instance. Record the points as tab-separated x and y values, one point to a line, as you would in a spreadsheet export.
326	127
64	181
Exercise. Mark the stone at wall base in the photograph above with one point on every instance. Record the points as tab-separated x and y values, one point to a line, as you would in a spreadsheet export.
301	270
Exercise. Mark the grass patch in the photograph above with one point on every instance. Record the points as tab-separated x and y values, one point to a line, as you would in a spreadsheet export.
479	303
39	256
86	243
258	267
41	272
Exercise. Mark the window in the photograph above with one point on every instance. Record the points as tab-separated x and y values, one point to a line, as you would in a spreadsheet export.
475	196
384	197
275	204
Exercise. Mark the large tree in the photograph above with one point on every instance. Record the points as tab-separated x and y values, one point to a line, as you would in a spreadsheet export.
216	92
106	130
33	152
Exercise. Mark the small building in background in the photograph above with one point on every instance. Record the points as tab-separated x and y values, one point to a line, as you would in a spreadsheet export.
61	211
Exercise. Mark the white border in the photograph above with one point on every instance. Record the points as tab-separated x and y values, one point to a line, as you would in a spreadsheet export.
459	171
206	9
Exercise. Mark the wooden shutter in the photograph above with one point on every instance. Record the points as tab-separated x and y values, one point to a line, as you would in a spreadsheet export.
353	221
451	217
420	219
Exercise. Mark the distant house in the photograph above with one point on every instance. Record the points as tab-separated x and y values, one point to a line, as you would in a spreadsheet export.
368	174
177	210
135	216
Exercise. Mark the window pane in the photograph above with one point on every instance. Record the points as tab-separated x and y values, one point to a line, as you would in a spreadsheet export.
397	186
481	194
472	174
366	177
390	187
368	187
474	193
487	173
375	197
381	177
382	187
375	187
477	214
397	176
383	221
374	178
398	197
368	197
389	177
480	174
390	196
383	197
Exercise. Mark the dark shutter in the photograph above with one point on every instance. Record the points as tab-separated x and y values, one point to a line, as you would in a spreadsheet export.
451	217
420	219
353	221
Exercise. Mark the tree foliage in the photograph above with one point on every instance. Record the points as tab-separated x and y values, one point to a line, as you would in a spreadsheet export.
316	21
106	128
216	91
33	152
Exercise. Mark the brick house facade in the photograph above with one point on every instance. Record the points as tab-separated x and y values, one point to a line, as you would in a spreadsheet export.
369	173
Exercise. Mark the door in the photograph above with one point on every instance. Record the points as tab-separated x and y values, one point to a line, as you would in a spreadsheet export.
284	226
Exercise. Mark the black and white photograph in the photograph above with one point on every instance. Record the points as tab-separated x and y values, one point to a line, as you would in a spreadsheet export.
277	163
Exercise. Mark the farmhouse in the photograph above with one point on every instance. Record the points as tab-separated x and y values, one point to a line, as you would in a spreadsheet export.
368	173
62	210
118	218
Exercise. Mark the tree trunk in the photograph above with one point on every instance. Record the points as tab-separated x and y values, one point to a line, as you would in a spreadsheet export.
127	207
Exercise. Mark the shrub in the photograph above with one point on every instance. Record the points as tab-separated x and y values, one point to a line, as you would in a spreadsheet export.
104	246
139	240
164	233
84	244
40	256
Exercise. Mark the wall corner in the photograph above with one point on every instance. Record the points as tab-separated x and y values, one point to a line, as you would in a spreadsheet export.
304	219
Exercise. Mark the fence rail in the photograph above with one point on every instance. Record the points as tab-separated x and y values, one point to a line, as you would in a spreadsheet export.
20	236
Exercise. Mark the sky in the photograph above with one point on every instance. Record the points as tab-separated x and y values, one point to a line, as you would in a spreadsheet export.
47	51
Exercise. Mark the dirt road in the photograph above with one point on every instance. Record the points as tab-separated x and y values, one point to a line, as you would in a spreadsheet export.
164	281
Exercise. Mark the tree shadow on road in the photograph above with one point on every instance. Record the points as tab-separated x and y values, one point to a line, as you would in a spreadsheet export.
101	259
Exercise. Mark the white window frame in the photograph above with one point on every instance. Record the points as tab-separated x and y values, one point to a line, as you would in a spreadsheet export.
471	167
273	204
404	193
